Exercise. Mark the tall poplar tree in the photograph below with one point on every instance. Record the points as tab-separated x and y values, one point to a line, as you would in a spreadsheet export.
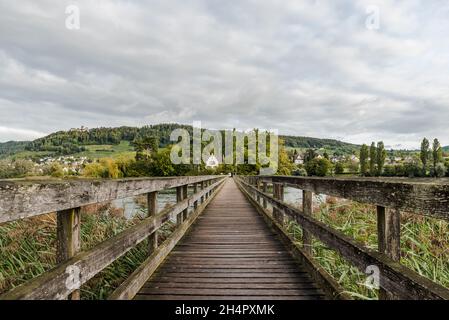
424	154
381	155
364	154
372	159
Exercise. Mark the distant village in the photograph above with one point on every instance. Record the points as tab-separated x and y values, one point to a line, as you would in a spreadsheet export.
70	165
300	159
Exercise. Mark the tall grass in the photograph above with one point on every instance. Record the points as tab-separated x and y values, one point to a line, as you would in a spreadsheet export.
28	248
424	244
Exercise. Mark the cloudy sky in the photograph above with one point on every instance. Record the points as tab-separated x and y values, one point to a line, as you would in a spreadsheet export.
305	67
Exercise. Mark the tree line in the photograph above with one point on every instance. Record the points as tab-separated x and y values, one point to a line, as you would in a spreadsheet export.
430	161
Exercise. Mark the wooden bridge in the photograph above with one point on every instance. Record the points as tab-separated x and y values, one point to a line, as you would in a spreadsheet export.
231	240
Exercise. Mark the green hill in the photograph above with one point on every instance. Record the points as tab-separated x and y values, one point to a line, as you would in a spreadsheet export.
102	142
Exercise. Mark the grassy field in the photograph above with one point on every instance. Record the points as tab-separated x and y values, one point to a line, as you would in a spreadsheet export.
107	151
92	152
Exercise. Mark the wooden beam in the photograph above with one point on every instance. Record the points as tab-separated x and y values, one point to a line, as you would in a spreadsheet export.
179	197
184	196
405	283
307	208
264	189
330	287
131	286
68	238
152	211
421	196
51	285
26	198
195	190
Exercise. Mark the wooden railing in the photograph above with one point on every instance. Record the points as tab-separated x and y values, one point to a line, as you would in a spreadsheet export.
23	199
391	196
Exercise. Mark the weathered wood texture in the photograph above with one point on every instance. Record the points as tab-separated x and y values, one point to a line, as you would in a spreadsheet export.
307	208
329	285
68	238
53	284
129	288
152	211
403	282
230	253
26	198
421	196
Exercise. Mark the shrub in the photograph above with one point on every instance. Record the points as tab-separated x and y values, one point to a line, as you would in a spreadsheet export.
56	170
318	167
339	168
440	170
300	172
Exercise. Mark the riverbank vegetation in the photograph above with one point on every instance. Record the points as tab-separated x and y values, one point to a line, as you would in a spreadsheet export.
424	244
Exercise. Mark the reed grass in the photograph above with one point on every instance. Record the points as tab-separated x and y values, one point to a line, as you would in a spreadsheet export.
424	244
28	248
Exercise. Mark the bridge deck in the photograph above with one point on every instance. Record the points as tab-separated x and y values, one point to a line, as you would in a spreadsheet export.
230	253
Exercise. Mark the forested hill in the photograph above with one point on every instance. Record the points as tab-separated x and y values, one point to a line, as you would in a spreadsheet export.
75	140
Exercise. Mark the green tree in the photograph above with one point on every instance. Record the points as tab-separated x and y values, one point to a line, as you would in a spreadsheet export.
161	165
318	167
381	155
339	168
437	155
145	147
424	154
310	155
440	170
372	159
285	165
56	170
364	154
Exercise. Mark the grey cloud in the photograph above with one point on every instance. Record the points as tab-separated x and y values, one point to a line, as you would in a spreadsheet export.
304	67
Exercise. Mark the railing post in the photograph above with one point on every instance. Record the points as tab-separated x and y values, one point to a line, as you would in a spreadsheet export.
202	188
152	210
258	188
388	237
179	199
184	196
195	191
209	193
278	193
68	233
264	189
307	208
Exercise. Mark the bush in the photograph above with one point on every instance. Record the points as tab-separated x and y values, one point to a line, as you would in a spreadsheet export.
440	170
446	164
16	169
413	170
318	167
105	168
300	172
339	168
56	170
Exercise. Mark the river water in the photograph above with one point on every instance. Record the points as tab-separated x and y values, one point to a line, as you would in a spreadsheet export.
166	198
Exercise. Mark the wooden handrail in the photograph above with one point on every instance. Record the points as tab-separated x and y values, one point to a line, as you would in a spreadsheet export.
420	196
26	198
396	278
57	283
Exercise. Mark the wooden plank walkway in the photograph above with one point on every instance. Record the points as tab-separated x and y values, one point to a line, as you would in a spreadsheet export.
230	253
